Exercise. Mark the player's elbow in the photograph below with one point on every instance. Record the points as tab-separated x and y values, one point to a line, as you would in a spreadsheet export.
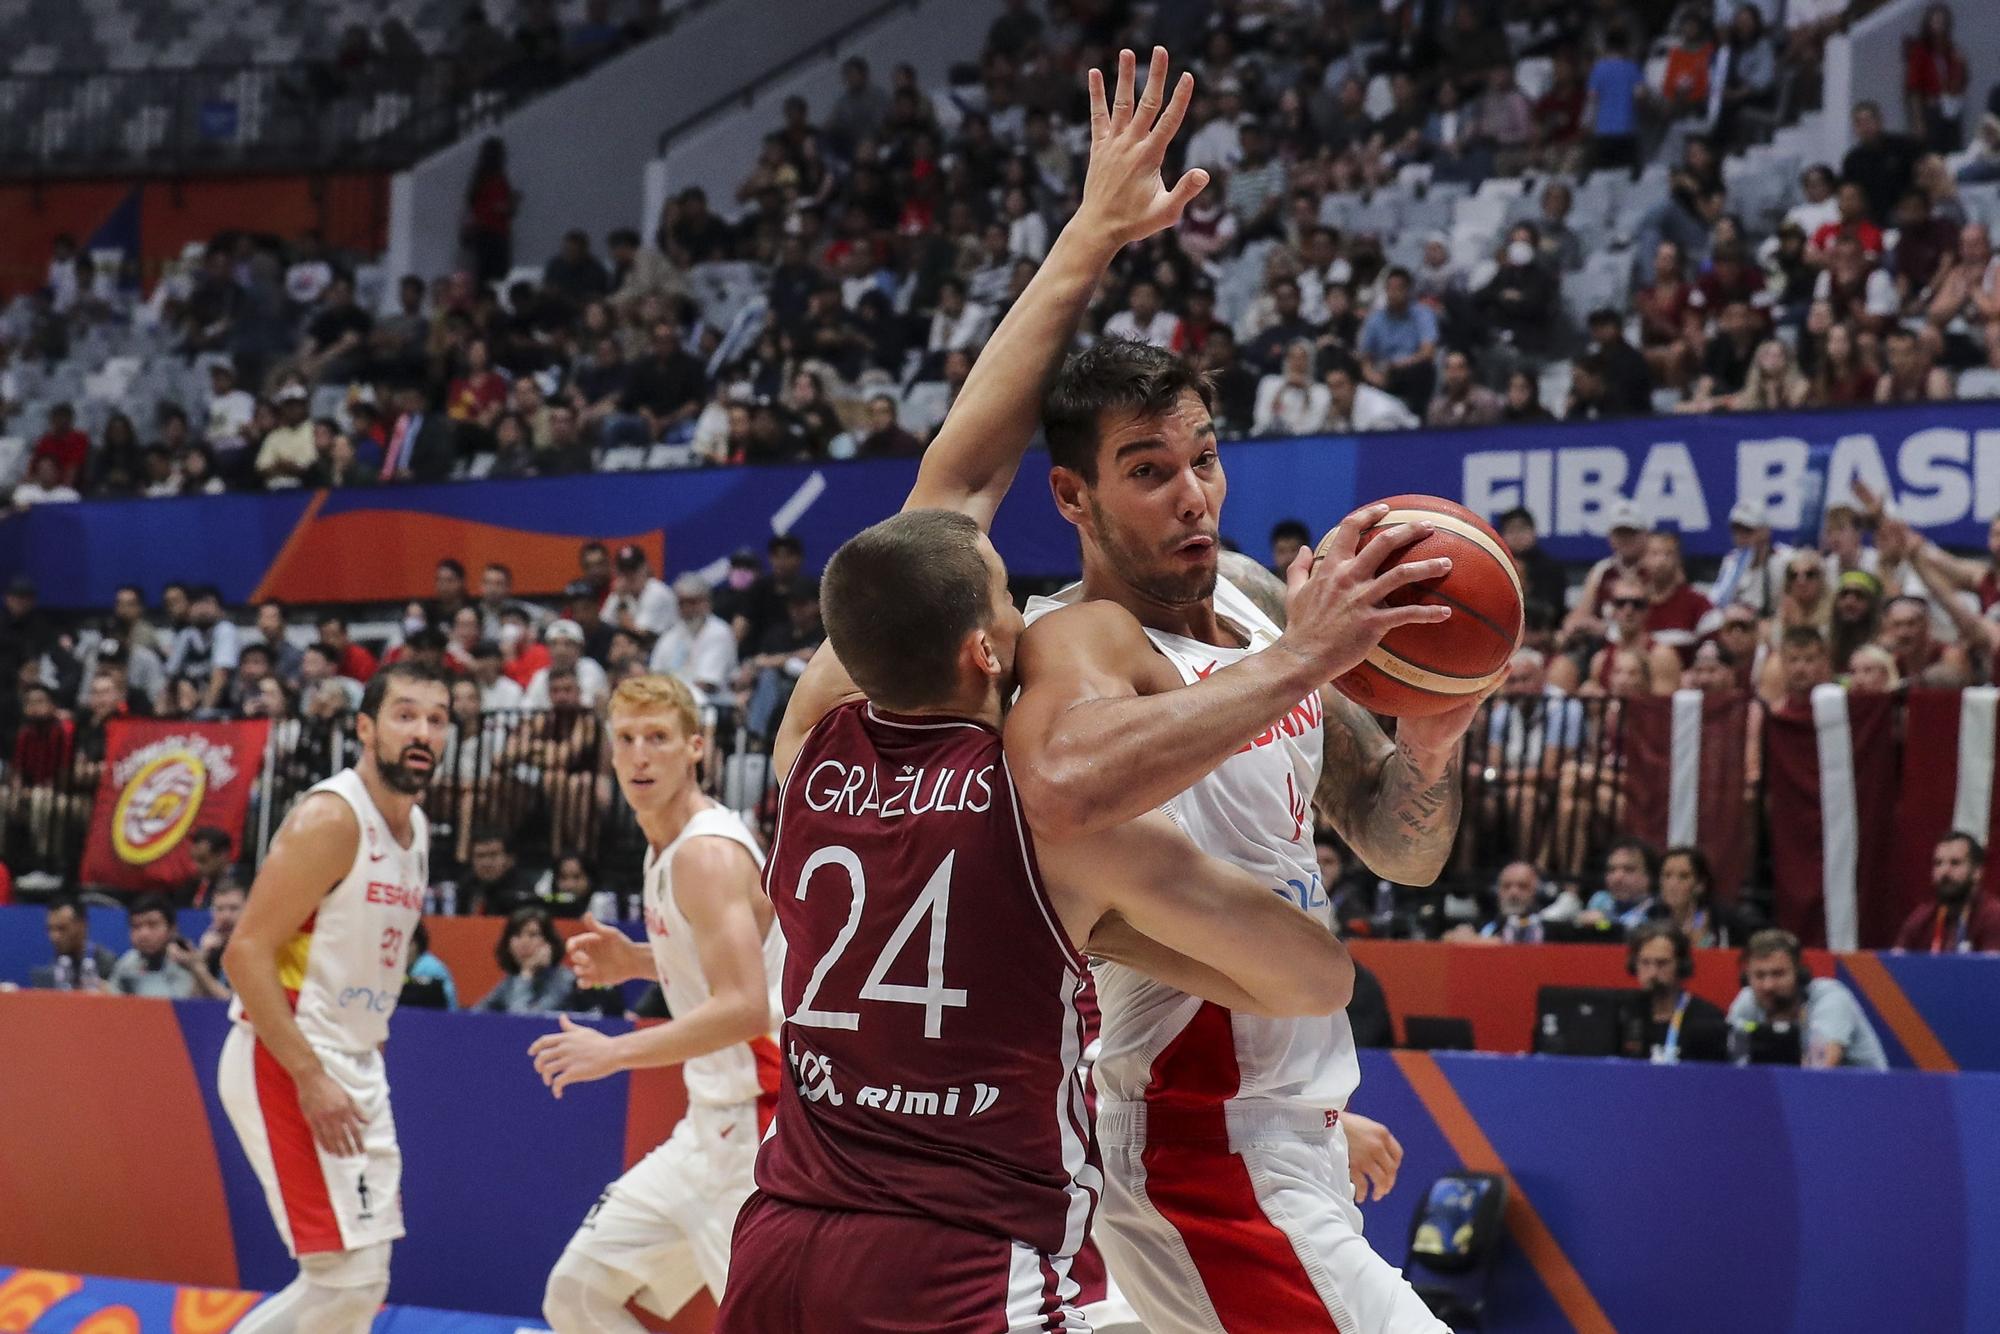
1063	800
1321	988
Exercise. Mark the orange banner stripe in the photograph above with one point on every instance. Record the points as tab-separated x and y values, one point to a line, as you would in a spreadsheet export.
1879	985
292	540
1530	1233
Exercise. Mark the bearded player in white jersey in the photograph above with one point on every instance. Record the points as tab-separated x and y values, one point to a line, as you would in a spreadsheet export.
1229	1202
661	1231
318	960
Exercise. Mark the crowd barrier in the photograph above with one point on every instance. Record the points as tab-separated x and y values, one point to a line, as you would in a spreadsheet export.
1939	461
1933	1012
1647	1200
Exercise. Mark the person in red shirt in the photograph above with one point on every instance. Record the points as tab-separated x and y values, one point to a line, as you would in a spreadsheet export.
349	658
524	655
1934	79
1853	221
1959	919
69	447
1677	609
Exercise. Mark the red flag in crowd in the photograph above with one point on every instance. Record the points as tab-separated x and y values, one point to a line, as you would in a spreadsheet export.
1948	784
1685	758
162	780
1830	787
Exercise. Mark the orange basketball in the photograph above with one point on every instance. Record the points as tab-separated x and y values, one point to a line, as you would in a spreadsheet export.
1419	670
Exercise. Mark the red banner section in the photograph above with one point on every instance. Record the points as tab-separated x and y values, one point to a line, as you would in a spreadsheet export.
162	780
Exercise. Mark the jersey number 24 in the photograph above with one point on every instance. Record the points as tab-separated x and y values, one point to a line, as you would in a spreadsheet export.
934	902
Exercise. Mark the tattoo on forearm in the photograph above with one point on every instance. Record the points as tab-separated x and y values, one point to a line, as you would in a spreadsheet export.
1377	795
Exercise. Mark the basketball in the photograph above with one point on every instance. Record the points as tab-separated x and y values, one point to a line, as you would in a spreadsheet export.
1418	670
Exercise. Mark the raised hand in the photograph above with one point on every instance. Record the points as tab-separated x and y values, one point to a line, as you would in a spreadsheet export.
1334	601
1124	195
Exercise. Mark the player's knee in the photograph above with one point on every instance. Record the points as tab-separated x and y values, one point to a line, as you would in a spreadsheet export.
580	1291
345	1289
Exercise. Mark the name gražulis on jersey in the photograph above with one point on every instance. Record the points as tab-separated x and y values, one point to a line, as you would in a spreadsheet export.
852	789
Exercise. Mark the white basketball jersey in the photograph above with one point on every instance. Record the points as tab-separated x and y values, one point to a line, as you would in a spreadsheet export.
1255	811
344	969
748	1070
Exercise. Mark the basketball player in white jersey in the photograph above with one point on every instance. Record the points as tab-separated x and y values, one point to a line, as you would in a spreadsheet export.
1153	683
318	962
663	1228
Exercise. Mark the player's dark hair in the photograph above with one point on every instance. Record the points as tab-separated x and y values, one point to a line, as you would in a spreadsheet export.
408	671
899	598
1116	375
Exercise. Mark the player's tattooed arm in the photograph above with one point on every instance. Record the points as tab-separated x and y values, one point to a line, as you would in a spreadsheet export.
1398	807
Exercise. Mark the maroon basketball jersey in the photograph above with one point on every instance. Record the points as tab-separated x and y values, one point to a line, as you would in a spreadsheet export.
932	1035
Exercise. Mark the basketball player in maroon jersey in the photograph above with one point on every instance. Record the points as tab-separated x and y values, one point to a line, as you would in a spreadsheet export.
930	1157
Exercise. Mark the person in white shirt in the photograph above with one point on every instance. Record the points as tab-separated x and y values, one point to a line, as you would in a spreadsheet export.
565	641
637	601
1291	402
44	485
230	409
1216	147
1753	573
1142	320
699	647
958	324
1820	206
496	690
1027	230
1357	406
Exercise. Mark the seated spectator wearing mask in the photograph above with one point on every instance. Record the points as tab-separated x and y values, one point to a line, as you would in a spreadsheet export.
1778	990
1959	919
1631	869
1667	1023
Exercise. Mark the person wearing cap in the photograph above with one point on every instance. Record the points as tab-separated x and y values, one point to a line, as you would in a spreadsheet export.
1625	529
287	452
638	602
586	608
699	647
565	643
1753	573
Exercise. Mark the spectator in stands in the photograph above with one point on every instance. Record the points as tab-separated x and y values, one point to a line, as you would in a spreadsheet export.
1399	343
1542	576
207	650
1524	400
1779	991
1845	374
699	647
1774	382
1913	375
1143	319
420	446
1934	82
284	655
1726	360
428	983
1881	164
1960	918
1753	573
528	950
203	961
286	453
637	600
1516	918
1980	162
1617	87
1631	868
574	272
1668	323
491	201
145	969
448	596
1677	609
496	689
1461	400
1920	658
44	485
1684	83
348	658
1290	402
1687	887
1751	82
1802	664
765	680
564	639
78	965
494	883
211	853
1288	538
885	437
1670	1023
957	324
860	111
63	445
1964	297
1354	406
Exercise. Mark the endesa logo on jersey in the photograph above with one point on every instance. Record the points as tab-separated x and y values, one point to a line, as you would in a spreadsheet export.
396	896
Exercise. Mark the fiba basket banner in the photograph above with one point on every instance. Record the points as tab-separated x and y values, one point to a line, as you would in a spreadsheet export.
161	782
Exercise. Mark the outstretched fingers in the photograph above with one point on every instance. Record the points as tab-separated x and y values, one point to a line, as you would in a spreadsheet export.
1121	101
1169	123
1100	114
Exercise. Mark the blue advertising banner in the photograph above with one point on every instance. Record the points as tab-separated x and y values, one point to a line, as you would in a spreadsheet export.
1939	462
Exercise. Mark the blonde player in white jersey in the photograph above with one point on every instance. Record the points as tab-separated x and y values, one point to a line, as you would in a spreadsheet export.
318	961
662	1229
1228	1201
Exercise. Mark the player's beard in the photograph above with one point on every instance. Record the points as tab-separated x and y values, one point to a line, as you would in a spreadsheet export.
400	776
1148	572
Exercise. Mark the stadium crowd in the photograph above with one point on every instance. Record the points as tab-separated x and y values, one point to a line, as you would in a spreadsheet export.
1332	278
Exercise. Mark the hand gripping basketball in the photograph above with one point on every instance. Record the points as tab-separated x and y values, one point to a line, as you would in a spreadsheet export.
1337	602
